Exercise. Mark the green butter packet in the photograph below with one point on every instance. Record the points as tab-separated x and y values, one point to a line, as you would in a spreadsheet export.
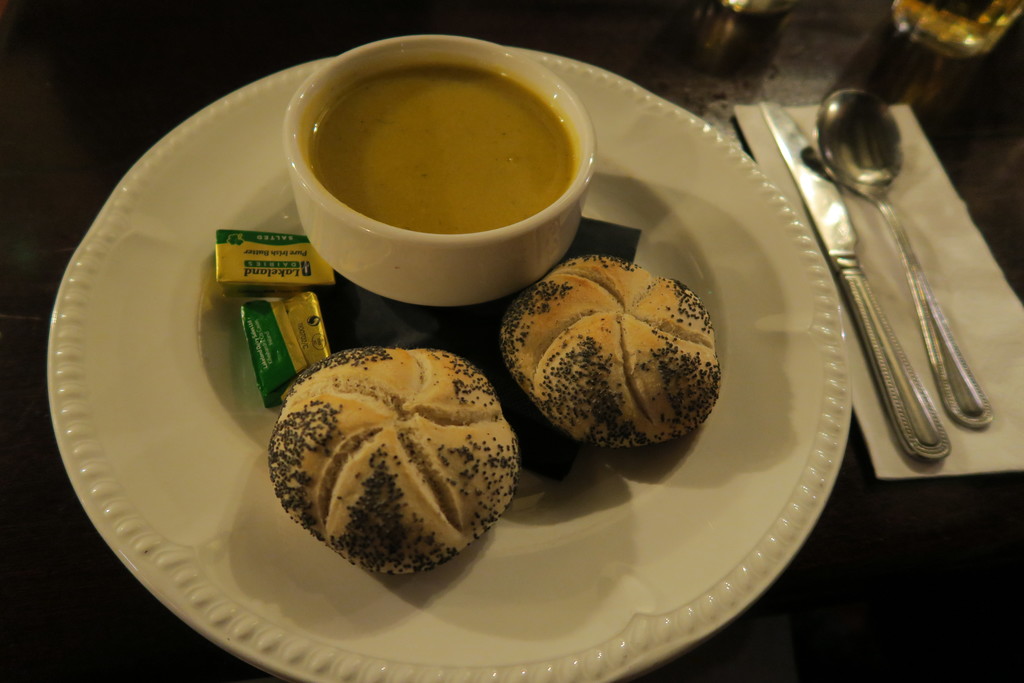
284	338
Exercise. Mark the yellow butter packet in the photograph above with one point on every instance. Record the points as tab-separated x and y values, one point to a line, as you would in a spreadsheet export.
307	325
254	262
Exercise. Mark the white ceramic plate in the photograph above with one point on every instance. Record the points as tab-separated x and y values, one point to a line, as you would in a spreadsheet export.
635	557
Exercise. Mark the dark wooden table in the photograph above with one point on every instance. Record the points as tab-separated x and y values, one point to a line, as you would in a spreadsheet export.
897	577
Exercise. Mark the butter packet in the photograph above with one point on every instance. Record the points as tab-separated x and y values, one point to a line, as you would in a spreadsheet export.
258	262
284	338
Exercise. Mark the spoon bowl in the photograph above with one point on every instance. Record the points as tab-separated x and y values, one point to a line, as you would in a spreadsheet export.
859	140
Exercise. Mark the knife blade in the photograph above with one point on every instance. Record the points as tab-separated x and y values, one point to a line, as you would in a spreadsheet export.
909	407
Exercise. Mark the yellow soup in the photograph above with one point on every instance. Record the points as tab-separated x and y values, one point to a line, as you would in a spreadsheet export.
442	149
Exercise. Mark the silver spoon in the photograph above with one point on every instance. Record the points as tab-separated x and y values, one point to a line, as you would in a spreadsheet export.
860	145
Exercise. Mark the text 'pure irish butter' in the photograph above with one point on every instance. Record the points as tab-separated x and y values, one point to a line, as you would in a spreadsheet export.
255	262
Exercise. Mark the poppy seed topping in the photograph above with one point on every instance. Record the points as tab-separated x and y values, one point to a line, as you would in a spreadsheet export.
397	459
611	354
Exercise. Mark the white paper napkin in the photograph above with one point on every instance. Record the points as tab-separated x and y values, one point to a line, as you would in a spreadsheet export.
986	316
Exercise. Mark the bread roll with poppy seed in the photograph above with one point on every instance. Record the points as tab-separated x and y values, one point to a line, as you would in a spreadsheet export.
611	354
397	459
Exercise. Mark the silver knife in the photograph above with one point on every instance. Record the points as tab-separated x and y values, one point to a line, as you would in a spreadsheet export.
909	407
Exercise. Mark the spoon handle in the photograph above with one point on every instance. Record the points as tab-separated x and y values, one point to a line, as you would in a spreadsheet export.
961	394
910	409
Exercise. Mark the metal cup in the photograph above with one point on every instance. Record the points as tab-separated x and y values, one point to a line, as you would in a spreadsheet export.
759	6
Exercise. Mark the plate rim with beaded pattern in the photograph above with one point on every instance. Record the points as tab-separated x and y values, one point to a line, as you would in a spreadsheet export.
633	559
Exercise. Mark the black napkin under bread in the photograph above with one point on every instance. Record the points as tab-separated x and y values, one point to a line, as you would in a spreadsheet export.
355	317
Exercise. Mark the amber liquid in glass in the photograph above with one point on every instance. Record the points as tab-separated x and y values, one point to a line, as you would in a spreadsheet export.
959	28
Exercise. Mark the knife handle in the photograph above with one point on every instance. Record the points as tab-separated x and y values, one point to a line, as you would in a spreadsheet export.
910	409
960	392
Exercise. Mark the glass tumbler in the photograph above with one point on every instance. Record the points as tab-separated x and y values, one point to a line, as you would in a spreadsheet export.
956	28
